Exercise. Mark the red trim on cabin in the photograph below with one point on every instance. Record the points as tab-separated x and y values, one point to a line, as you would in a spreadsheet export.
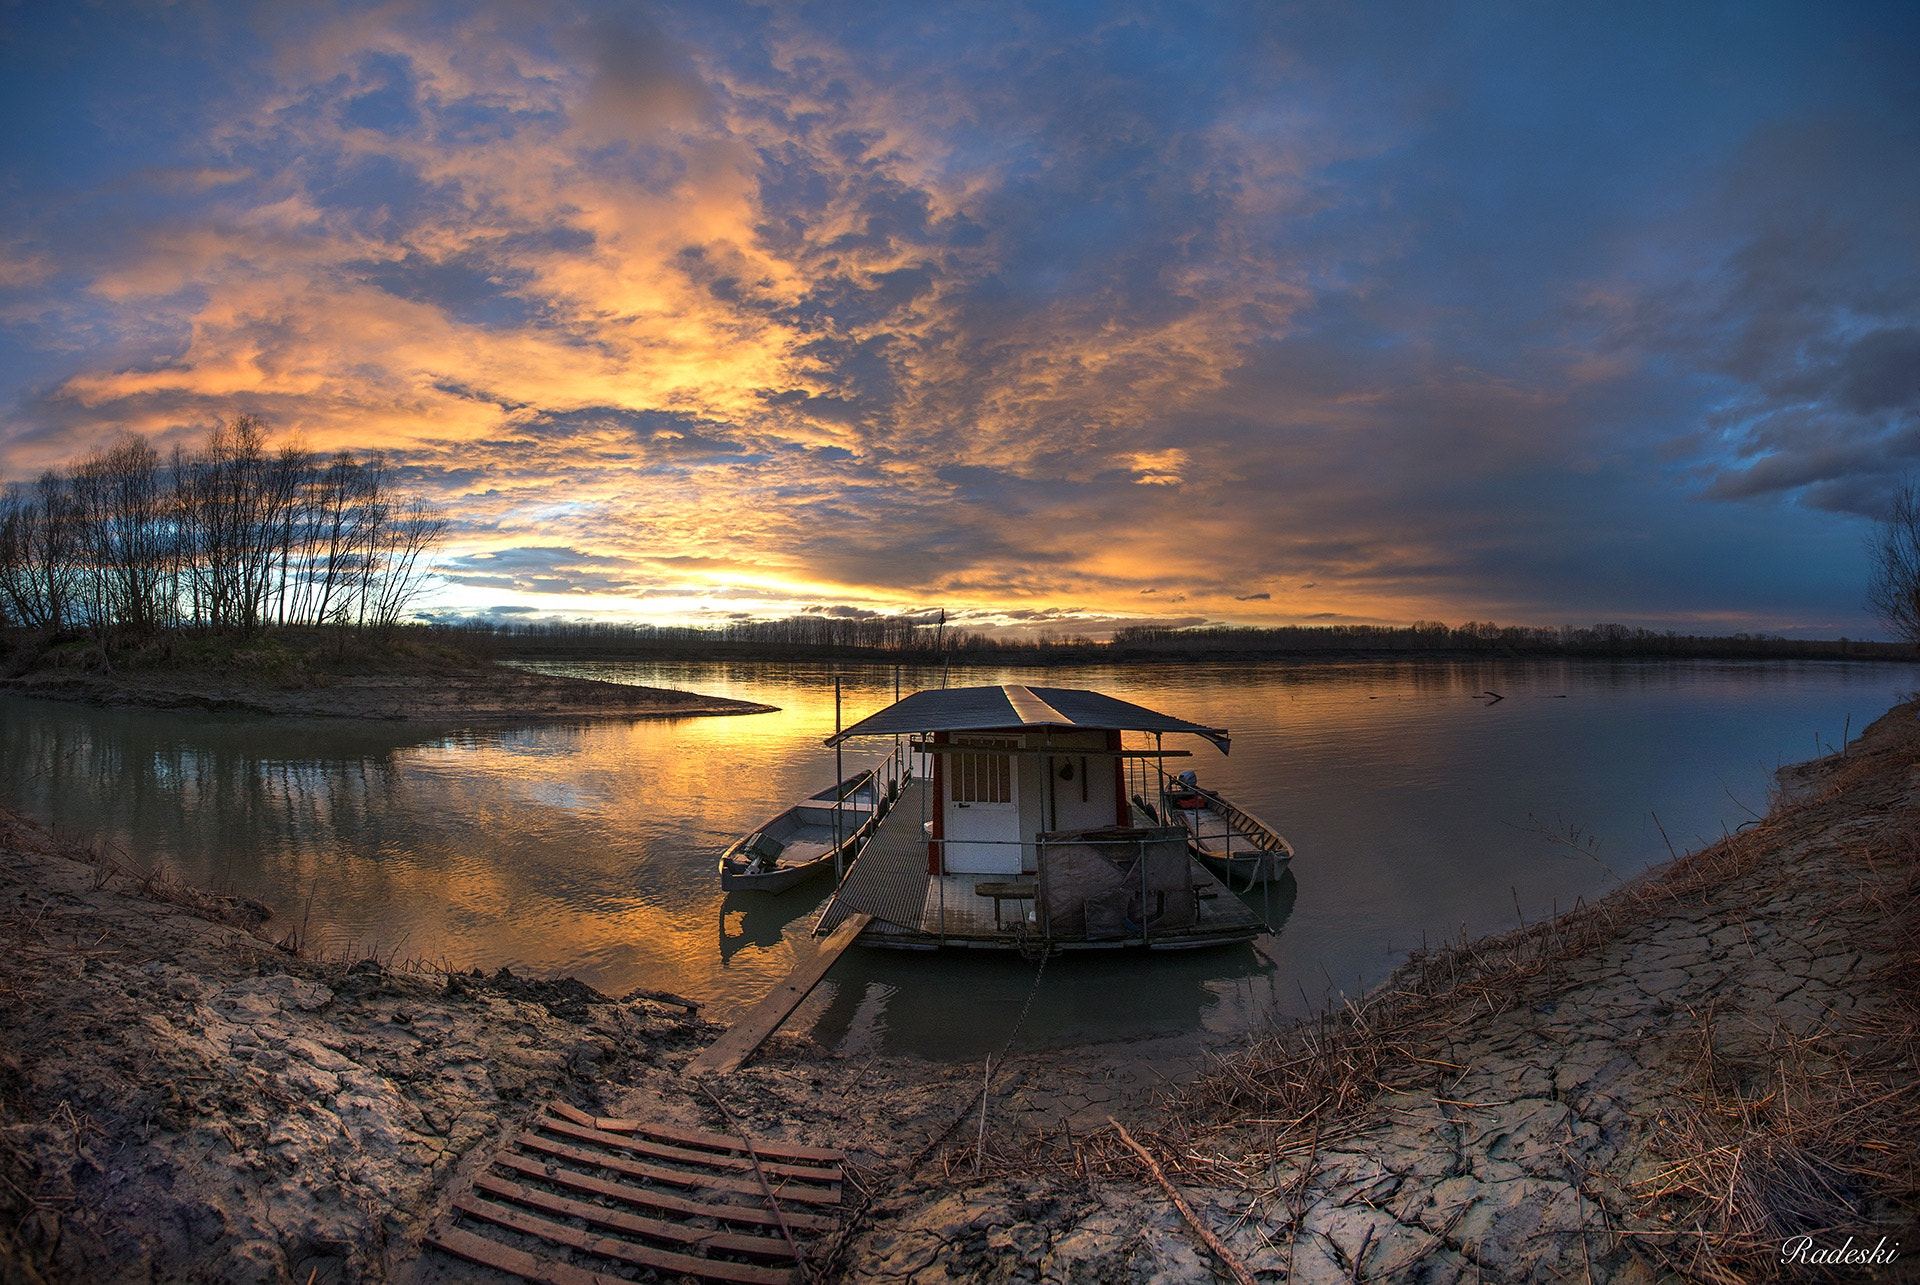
1121	816
939	806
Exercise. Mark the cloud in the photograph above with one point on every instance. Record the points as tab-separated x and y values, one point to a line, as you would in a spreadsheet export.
685	305
1805	311
843	612
642	79
537	570
1158	468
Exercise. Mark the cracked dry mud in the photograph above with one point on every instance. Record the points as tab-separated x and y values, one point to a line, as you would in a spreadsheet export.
180	1099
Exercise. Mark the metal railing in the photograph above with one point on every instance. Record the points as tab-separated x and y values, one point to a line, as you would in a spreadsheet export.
887	778
1041	930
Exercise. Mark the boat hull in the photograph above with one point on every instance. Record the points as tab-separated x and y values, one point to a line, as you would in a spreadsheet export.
777	880
763	860
1241	869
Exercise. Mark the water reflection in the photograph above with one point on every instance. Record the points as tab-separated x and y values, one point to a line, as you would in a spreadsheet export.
1273	900
1419	806
960	1004
760	921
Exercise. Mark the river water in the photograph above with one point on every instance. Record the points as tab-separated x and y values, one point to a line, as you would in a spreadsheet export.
1420	809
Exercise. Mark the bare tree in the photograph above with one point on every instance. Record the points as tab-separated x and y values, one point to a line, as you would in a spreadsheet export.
121	536
334	494
402	571
233	537
270	533
372	512
1893	593
39	570
19	594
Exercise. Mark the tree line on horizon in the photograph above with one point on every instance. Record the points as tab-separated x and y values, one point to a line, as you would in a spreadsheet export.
927	639
236	535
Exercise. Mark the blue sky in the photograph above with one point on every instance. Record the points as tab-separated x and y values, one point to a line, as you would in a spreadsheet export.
1049	315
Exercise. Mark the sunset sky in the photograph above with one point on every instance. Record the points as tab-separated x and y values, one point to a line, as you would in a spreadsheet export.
1051	315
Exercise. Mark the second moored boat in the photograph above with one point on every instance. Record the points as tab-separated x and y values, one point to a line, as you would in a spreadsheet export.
806	839
1229	839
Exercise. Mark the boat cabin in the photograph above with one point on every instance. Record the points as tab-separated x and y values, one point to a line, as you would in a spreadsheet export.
1018	829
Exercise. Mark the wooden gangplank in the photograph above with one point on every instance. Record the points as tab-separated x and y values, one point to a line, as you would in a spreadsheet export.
889	881
726	1054
574	1197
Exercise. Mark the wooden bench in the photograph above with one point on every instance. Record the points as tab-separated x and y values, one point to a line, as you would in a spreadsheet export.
1005	890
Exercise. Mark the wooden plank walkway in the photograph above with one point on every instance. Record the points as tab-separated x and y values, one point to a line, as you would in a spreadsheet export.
889	881
561	1203
725	1055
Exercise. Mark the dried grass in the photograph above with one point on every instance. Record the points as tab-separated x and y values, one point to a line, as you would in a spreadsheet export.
1319	1077
1814	1134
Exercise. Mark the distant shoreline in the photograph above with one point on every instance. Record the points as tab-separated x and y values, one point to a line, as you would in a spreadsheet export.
1062	655
424	673
904	641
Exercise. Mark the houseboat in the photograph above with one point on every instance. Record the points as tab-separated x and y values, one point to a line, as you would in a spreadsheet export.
1020	833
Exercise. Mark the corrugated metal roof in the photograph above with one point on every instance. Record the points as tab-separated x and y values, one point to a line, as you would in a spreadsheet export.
967	709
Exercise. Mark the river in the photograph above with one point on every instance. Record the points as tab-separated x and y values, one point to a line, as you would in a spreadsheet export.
1420	807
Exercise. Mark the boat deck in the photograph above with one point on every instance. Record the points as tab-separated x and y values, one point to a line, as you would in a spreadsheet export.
1216	834
914	910
809	842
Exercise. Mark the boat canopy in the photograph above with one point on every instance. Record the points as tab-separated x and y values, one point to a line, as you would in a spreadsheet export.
969	709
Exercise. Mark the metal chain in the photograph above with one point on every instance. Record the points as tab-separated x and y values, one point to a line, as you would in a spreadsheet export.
1026	1008
939	1140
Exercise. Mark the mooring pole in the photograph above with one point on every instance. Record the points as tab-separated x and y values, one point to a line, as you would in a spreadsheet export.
1145	937
839	783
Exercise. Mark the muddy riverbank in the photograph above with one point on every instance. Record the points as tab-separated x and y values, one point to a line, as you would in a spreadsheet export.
322	674
1663	1085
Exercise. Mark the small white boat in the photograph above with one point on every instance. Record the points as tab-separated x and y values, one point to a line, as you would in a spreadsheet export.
800	842
1230	840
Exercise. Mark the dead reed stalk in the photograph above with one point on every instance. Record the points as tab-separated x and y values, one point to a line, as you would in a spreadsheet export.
1213	1243
1813	1134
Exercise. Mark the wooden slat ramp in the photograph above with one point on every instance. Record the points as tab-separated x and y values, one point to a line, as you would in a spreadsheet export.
577	1199
724	1055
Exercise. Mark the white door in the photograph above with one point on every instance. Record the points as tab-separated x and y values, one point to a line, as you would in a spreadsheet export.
983	810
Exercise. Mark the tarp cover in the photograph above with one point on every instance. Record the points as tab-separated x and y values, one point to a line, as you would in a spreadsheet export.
971	709
1098	885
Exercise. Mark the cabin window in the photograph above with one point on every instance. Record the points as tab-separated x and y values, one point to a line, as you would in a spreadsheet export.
983	777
